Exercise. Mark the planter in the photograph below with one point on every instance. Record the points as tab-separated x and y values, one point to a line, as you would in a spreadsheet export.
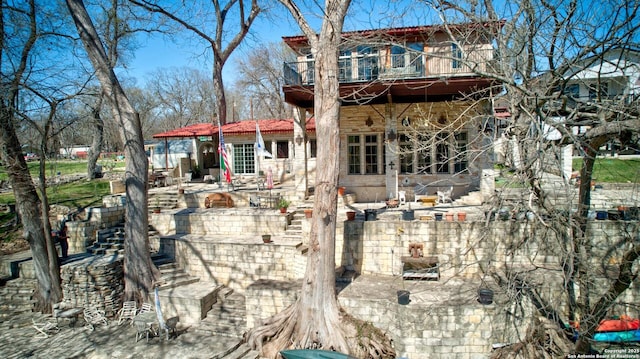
438	216
485	296
462	216
408	214
156	210
283	209
351	215
308	213
266	238
341	191
614	215
403	297
601	215
370	214
503	215
449	217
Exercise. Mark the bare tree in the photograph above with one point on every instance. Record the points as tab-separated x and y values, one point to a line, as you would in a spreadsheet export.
183	96
563	71
195	18
315	319
261	79
139	271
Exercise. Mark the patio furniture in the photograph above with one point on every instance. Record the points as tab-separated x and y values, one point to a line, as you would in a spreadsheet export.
142	329
94	317
145	308
45	327
128	311
170	327
445	196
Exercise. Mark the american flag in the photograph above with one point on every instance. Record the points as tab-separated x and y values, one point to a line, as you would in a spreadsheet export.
225	169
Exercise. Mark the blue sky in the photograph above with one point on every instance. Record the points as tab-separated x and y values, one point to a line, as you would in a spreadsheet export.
156	52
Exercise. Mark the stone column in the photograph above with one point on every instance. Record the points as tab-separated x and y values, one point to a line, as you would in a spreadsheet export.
391	150
300	154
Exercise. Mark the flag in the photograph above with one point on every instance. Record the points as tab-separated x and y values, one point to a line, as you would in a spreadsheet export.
225	169
260	148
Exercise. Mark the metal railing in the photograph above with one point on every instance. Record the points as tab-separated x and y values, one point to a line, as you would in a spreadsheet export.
411	65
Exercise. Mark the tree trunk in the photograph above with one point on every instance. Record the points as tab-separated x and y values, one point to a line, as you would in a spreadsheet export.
29	206
139	271
97	140
218	91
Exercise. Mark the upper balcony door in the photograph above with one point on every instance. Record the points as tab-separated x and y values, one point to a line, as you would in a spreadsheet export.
406	61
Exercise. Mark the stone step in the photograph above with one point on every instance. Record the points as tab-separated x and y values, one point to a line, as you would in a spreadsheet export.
242	352
190	302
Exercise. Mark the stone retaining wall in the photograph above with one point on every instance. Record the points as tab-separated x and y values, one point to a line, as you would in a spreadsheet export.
82	234
97	281
236	264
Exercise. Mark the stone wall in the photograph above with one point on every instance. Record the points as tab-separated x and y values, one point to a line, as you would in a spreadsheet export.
96	281
236	264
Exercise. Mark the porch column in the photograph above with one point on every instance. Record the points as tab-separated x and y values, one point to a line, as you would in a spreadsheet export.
300	153
392	162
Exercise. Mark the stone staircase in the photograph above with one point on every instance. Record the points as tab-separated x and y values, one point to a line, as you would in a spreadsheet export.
172	275
470	199
16	296
163	200
227	316
109	241
294	229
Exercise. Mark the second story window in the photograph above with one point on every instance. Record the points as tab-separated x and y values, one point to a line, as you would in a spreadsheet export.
456	56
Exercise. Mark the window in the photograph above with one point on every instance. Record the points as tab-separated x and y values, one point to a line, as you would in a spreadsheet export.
344	66
243	158
397	56
573	90
282	149
456	56
371	154
313	148
367	63
364	154
460	161
353	144
428	154
442	153
598	90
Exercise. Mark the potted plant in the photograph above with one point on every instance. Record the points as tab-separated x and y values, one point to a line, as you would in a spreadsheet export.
283	204
308	213
351	215
266	238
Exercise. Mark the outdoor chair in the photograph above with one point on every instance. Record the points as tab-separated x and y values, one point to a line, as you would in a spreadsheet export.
254	201
94	317
445	196
46	327
128	311
146	307
170	327
142	329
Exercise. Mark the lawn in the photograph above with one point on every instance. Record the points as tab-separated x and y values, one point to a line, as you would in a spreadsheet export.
76	194
613	170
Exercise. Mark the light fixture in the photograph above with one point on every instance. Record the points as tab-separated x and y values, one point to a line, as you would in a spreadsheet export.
391	135
299	140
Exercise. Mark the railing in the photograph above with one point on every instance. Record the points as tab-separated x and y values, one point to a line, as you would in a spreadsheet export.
411	65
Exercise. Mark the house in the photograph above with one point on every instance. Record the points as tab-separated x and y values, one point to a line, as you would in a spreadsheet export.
240	138
411	103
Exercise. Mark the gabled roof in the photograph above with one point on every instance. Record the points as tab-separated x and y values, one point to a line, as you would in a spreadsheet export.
269	126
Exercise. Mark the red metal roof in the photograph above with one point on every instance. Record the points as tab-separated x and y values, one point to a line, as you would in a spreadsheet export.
269	126
300	41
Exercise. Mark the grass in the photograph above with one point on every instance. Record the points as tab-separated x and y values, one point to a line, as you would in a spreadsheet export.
612	170
64	167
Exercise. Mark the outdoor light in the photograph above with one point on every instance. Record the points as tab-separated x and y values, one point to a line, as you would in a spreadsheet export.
391	135
299	140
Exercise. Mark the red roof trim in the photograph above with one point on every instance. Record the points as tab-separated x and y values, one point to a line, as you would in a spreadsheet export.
301	40
270	126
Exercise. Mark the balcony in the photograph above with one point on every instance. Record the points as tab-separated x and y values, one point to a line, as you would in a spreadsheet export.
409	77
367	68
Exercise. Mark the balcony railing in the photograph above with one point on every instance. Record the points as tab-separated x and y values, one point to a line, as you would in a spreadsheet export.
366	68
